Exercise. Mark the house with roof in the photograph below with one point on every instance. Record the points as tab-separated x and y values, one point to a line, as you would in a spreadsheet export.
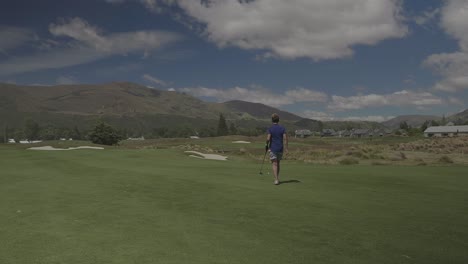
446	131
327	132
344	133
302	133
359	133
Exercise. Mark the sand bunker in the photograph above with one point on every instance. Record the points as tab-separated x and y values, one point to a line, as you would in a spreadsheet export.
52	148
206	156
241	142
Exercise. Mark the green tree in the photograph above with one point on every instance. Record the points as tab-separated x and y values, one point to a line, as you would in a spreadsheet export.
232	129
18	135
76	134
207	132
404	126
434	123
424	126
414	132
5	134
161	132
222	126
31	130
104	134
48	133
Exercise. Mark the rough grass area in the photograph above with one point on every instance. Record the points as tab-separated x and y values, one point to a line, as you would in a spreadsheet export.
159	206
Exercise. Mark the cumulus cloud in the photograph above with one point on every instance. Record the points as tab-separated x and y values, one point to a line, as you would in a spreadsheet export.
85	43
319	29
324	116
13	37
317	115
401	98
257	94
334	103
371	118
453	67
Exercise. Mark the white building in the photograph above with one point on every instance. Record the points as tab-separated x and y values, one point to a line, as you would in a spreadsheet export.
446	131
302	133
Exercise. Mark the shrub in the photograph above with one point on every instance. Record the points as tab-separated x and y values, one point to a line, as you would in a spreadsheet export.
445	159
104	134
349	161
402	155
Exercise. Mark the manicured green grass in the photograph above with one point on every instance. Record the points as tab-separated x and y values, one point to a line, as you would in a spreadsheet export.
160	206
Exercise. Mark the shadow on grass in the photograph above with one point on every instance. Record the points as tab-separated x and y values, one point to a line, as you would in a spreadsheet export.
290	181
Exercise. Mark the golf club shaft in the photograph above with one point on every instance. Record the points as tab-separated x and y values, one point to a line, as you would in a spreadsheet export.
261	168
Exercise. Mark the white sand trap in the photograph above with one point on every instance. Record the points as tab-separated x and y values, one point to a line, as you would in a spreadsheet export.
206	156
241	142
52	148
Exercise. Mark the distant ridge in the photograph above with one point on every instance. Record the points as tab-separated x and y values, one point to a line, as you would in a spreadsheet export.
126	105
112	99
259	111
139	108
459	118
411	120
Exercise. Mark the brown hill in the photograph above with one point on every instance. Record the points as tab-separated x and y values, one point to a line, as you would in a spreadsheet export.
257	110
126	105
459	118
114	99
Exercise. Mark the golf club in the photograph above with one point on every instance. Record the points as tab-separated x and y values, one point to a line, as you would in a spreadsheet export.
261	168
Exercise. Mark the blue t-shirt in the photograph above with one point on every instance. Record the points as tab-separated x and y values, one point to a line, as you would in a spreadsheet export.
276	131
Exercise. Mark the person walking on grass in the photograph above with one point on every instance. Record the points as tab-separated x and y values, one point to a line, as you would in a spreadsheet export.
277	142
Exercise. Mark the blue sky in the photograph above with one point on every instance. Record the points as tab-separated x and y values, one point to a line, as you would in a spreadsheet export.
322	59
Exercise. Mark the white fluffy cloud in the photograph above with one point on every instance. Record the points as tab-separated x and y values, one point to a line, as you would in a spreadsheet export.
401	98
317	115
85	43
453	67
319	29
259	95
334	103
117	43
372	118
324	116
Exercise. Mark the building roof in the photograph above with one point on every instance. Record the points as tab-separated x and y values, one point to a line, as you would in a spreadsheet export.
303	132
360	131
447	129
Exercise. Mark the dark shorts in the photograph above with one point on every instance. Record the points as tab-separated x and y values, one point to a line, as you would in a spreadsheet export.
276	155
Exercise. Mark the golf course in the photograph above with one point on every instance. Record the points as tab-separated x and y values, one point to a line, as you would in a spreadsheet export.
159	205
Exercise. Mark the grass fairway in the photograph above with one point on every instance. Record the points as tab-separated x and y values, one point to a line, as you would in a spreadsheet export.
160	206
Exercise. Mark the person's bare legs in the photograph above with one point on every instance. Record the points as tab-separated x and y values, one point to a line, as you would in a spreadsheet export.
276	168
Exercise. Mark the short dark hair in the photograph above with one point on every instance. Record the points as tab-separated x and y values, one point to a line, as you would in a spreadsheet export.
275	118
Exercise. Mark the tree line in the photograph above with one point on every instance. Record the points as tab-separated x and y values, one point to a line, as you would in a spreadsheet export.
104	133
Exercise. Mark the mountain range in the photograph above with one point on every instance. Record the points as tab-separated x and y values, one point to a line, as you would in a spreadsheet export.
138	108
